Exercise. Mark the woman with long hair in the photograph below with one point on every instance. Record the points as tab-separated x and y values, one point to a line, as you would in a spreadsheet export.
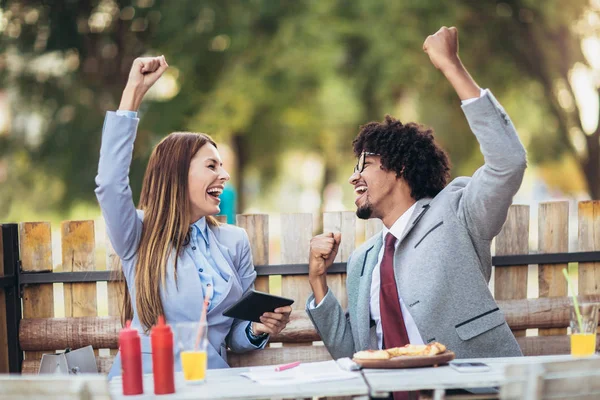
173	252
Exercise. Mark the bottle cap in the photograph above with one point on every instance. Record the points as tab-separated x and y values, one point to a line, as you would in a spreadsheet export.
128	332
161	327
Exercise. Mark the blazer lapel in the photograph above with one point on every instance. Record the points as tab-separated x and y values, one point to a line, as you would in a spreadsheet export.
363	314
420	209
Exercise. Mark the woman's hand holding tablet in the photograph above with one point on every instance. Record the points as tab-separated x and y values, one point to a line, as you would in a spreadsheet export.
254	304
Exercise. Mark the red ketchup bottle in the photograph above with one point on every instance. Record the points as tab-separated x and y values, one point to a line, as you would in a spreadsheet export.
163	361
131	360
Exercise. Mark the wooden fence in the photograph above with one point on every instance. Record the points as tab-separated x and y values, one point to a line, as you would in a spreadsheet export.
39	332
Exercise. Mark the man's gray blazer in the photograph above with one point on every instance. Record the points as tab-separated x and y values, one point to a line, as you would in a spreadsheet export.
443	262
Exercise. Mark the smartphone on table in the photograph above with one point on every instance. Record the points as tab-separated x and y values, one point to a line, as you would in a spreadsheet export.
464	366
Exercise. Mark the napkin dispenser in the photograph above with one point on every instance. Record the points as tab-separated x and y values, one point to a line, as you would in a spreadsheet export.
71	362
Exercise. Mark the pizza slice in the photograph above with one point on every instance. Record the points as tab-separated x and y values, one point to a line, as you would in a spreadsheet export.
436	348
372	355
430	349
410	350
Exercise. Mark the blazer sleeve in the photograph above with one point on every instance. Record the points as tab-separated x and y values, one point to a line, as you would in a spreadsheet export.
332	324
237	339
112	184
482	206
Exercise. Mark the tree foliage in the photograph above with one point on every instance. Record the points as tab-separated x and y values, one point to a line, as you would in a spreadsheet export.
269	77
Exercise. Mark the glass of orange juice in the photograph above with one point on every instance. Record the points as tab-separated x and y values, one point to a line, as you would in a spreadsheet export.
191	340
583	332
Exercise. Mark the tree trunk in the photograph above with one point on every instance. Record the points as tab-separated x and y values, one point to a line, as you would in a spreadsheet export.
539	67
591	165
238	142
328	178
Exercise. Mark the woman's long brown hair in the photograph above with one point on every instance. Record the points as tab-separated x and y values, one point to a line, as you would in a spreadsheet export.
165	201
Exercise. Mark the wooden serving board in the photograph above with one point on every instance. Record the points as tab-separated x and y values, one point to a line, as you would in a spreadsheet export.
408	361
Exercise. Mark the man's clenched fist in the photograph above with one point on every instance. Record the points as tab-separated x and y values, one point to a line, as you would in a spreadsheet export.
442	47
323	249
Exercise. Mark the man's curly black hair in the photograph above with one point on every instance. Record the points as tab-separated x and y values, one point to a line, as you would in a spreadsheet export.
410	150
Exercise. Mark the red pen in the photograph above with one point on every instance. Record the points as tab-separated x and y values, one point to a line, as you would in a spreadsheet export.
287	366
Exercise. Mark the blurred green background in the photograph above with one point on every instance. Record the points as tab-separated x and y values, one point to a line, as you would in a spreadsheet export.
283	87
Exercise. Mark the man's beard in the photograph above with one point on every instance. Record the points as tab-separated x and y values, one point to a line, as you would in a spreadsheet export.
365	211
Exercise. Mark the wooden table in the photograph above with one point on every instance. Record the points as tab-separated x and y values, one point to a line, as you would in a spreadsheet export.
383	381
228	384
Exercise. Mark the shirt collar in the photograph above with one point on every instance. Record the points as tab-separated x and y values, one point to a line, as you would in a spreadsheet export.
200	229
397	228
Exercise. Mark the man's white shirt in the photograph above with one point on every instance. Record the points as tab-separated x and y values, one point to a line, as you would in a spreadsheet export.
397	230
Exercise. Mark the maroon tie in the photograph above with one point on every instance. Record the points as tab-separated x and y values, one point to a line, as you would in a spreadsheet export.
392	322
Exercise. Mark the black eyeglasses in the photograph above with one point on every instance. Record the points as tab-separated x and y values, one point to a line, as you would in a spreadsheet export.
360	163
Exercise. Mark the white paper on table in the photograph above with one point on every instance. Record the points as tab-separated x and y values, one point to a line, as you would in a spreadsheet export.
304	373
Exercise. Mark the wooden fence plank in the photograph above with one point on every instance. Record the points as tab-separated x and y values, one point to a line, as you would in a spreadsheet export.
345	223
3	332
296	232
589	240
78	254
35	247
103	332
553	236
548	312
511	282
73	332
115	290
257	228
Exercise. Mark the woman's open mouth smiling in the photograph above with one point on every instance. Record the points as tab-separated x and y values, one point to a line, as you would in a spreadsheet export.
215	192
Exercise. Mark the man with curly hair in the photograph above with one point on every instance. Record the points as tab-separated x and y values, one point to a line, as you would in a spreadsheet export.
425	277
